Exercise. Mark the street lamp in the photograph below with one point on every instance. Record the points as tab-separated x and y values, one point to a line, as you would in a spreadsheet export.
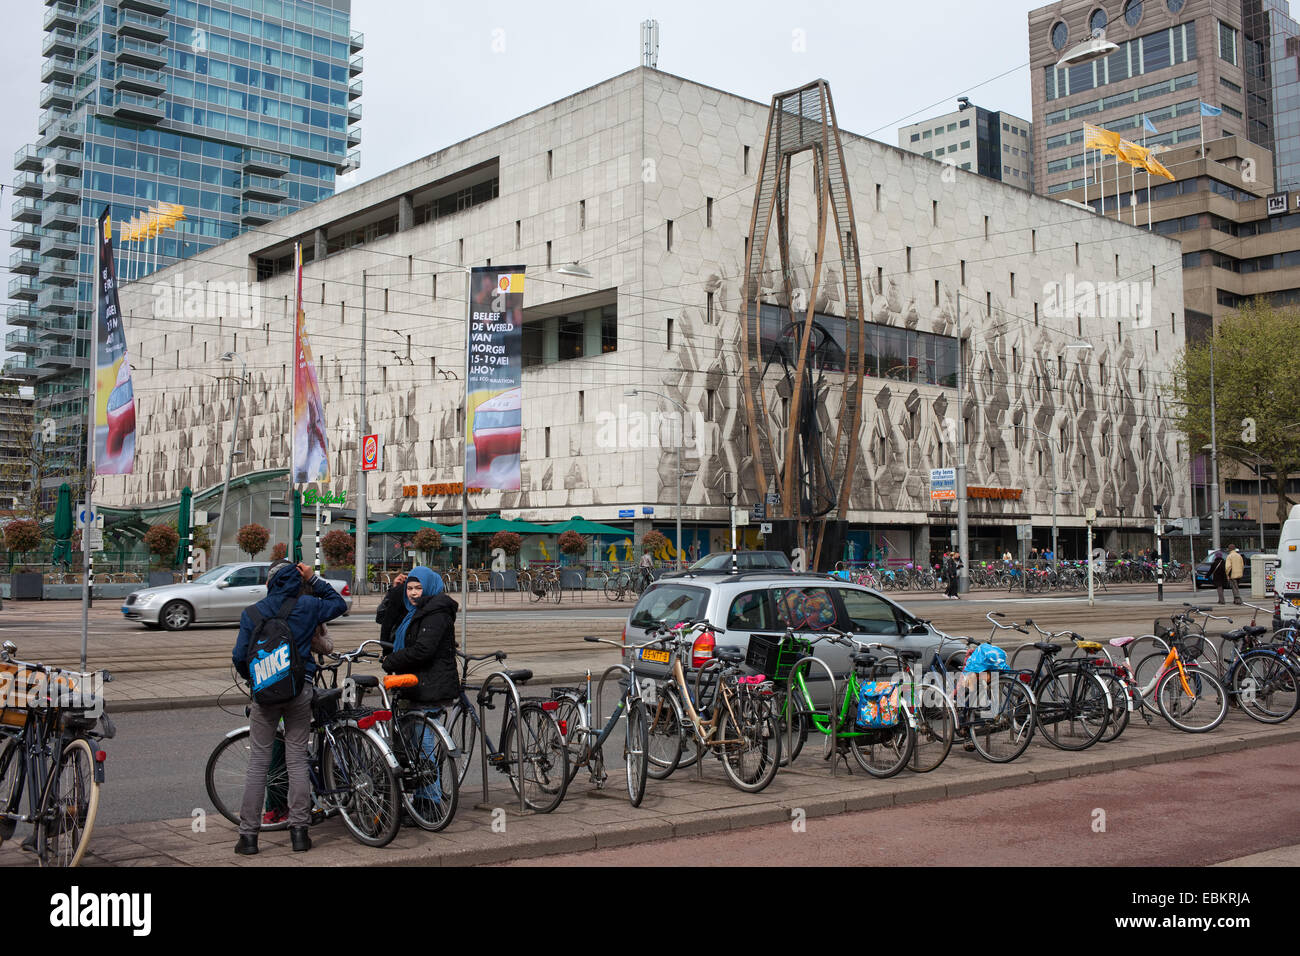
230	457
633	392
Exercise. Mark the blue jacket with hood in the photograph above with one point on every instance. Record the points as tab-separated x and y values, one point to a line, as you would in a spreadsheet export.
322	604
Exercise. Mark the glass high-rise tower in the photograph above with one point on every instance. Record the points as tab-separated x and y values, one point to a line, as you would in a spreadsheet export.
241	111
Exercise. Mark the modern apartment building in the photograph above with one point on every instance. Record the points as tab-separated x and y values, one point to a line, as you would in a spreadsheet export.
647	181
17	463
1240	56
994	144
241	111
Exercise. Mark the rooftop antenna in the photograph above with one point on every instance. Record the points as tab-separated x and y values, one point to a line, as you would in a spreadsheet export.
650	43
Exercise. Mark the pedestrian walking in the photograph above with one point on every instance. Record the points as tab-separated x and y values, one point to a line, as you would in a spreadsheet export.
303	615
1235	568
1219	572
951	562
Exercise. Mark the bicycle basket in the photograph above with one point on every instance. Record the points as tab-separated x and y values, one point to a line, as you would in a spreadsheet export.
1192	646
1165	630
878	704
774	656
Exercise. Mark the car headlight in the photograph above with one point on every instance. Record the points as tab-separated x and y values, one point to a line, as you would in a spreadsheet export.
144	600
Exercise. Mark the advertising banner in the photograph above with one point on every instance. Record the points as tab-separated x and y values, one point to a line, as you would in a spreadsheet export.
371	453
114	398
943	484
311	459
494	410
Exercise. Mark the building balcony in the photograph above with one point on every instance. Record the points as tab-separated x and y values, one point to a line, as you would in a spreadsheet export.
264	187
264	161
23	340
57	95
60	215
28	185
51	116
25	288
23	314
61	328
139	80
354	136
25	263
357	42
25	210
22	366
156	7
58	69
67	162
350	162
62	188
55	356
354	90
141	52
59	43
55	299
59	245
26	236
354	113
61	15
63	272
356	65
62	133
28	159
145	26
135	106
254	213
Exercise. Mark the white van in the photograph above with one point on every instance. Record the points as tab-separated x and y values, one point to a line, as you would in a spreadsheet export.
1287	582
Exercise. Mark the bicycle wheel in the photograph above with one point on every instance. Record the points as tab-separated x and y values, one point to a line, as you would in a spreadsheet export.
612	591
227	773
544	775
429	779
1146	645
1001	731
664	745
11	782
568	717
751	751
790	710
638	745
1265	686
67	814
364	786
1196	708
1072	710
884	752
936	722
1119	709
464	734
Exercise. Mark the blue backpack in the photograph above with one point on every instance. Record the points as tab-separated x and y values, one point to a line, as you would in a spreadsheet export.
276	670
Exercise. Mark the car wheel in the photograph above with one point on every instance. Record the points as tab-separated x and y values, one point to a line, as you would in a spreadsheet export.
176	616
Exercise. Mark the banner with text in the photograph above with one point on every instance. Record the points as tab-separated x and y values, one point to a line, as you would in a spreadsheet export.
494	410
311	458
114	397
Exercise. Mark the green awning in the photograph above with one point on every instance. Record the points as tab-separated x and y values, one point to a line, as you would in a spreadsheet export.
495	523
404	524
583	526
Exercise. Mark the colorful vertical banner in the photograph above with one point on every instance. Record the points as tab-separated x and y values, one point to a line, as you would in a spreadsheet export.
311	460
114	397
494	410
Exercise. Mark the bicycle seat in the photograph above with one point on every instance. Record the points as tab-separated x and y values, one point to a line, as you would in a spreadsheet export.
1048	649
909	655
865	660
729	655
1255	630
1121	641
521	676
365	680
1088	645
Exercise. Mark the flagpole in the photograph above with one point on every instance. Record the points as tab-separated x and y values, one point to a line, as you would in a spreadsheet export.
1202	134
1132	191
88	517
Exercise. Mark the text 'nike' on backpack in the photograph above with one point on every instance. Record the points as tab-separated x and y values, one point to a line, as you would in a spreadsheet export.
275	668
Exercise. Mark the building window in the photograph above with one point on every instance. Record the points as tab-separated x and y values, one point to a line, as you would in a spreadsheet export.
670	335
708	403
1060	34
1013	285
582	214
1227	43
909	258
550	168
670	235
877	197
936	291
963	272
548	441
559	338
1133	12
548	254
1097	21
745	162
708	212
708	308
986	228
518	232
934	212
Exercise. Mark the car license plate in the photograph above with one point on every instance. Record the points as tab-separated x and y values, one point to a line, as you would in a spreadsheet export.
656	657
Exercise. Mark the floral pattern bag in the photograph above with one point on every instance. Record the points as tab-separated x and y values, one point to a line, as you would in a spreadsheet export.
878	704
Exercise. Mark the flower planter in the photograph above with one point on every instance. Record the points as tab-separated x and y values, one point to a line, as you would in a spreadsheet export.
26	586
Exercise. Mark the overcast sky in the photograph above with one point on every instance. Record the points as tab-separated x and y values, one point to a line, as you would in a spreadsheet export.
437	72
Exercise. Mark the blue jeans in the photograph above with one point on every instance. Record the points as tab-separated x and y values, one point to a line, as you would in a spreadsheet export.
425	739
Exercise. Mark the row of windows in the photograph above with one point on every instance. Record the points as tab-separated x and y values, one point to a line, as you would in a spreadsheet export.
939	130
1079	110
305	14
221	95
1231	300
1014	130
191	197
150	138
242	49
1122	123
1136	57
187	62
1098	19
220	122
950	149
1281	260
1077	161
565	337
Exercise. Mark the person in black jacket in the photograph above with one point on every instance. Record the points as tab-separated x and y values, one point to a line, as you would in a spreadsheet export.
420	621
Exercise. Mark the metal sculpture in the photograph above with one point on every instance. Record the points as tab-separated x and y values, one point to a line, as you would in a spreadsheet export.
812	476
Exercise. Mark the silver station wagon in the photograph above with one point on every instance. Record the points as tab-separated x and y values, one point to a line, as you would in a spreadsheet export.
217	597
768	602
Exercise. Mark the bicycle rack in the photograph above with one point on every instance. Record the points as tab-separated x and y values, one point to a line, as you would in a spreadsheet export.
499	593
519	736
831	716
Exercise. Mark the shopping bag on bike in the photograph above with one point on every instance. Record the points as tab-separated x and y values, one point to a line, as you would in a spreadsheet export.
878	704
986	657
275	668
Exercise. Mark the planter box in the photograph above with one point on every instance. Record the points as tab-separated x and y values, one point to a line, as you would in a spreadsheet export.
26	586
338	574
158	579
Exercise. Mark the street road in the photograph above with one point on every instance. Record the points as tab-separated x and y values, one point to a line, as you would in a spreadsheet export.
1188	813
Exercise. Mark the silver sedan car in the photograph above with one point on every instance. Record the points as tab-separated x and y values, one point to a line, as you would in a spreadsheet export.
217	597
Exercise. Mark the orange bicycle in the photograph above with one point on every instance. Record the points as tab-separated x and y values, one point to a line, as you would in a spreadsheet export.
1186	694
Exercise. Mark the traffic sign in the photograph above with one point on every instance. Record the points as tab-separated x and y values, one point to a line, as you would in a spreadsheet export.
96	520
765	528
1024	532
95	539
627	512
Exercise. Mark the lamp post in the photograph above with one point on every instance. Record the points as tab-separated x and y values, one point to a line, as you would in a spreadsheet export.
633	392
230	457
1214	458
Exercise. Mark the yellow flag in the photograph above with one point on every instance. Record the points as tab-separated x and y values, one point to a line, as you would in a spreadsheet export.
1094	137
1157	168
1133	154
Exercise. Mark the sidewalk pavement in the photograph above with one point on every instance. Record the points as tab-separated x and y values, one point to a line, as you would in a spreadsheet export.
690	802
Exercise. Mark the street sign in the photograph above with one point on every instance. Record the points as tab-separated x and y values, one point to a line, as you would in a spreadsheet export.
647	510
95	539
96	520
1090	515
627	512
326	517
943	484
1024	532
765	528
758	512
199	517
742	519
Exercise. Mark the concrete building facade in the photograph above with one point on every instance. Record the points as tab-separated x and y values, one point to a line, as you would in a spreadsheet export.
647	180
996	144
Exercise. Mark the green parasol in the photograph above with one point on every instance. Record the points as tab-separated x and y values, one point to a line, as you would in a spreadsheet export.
63	525
183	526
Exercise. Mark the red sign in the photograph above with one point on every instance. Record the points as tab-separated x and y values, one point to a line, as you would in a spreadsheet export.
369	452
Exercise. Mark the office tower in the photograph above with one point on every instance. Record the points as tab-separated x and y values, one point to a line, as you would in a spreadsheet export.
994	144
